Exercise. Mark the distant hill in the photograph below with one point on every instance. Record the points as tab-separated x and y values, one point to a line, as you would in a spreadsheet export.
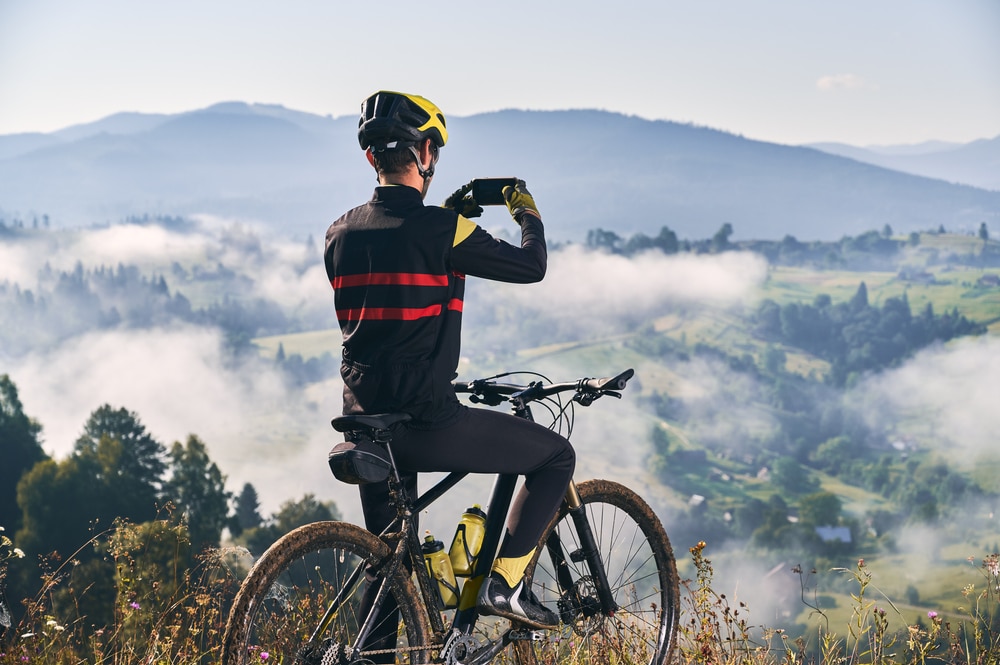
297	171
976	164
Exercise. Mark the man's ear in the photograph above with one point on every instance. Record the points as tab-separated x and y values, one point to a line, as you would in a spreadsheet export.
370	156
426	154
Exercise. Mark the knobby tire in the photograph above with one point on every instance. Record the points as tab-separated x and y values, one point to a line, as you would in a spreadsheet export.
287	591
642	574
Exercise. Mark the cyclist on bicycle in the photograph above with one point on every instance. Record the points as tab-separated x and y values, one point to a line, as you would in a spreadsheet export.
398	269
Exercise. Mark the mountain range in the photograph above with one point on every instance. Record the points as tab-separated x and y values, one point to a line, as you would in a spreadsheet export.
295	172
976	163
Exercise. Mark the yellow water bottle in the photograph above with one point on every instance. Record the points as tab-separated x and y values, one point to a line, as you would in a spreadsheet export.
468	539
439	568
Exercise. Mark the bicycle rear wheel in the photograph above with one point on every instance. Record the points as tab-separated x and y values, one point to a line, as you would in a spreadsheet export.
282	601
641	572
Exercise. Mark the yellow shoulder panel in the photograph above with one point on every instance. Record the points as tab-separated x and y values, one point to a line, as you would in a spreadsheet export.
463	229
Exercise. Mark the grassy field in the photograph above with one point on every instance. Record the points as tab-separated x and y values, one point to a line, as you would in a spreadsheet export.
312	344
951	288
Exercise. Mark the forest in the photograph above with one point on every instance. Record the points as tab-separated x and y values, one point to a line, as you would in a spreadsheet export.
776	491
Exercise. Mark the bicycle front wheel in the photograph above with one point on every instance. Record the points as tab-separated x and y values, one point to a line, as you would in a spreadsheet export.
324	569
641	572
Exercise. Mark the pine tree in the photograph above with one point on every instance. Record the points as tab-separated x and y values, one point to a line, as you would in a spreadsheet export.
246	514
132	469
20	450
198	490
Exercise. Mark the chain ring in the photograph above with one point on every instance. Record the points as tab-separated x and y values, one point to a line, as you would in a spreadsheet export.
458	648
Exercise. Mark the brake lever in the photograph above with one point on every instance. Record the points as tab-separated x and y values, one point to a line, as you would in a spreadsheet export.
586	398
488	400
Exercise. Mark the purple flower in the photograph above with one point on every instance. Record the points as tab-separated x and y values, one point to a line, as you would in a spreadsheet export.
134	605
264	655
932	614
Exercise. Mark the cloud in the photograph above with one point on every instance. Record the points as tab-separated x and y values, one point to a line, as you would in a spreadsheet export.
284	272
842	82
946	395
582	282
179	381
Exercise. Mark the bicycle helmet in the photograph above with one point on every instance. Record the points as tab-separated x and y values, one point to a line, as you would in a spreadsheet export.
392	120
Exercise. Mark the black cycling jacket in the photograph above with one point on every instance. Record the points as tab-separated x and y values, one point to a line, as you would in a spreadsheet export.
398	271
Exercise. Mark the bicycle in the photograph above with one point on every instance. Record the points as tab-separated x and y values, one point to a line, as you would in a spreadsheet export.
604	561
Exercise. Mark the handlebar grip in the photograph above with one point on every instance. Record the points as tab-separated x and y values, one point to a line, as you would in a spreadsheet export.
613	383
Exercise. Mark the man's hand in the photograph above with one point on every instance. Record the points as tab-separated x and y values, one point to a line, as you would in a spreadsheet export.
519	201
462	203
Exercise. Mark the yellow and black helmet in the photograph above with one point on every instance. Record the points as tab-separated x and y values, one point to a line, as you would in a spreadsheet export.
398	120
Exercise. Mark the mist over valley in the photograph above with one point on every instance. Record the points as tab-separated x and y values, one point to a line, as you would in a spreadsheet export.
801	324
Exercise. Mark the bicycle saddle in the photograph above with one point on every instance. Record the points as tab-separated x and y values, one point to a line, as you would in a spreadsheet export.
378	421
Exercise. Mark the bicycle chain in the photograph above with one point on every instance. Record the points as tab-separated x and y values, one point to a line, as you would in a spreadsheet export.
377	652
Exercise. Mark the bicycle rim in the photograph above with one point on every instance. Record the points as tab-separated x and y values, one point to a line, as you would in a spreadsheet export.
642	574
282	601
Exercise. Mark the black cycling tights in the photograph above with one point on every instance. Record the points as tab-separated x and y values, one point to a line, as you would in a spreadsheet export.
484	441
481	441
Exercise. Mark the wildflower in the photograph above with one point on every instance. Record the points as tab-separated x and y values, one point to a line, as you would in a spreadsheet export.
932	614
18	552
264	655
992	565
134	605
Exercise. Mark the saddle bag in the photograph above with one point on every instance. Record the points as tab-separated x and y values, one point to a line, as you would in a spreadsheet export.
360	462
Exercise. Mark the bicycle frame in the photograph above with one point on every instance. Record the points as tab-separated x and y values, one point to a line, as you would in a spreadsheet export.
407	543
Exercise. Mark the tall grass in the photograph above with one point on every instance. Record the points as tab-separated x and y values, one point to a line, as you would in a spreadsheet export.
168	612
714	631
166	608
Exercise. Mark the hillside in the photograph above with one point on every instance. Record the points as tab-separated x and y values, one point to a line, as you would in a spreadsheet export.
589	169
976	164
740	429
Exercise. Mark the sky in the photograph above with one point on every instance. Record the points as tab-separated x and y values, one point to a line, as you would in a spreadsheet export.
864	72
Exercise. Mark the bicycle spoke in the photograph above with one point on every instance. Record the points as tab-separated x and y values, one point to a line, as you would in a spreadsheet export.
641	574
308	596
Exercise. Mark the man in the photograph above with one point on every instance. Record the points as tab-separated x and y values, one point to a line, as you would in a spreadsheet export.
398	269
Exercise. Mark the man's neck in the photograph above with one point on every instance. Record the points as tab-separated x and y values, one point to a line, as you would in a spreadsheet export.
409	179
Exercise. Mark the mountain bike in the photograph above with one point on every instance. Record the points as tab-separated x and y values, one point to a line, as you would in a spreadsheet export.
332	593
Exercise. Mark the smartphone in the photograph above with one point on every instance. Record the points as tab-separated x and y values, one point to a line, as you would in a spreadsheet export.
489	191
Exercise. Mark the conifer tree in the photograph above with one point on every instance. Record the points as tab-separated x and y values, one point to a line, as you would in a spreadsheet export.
20	450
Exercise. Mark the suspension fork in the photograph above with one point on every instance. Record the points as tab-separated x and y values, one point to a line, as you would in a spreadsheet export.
588	552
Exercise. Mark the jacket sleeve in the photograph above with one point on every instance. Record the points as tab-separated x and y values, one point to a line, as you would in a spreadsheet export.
479	254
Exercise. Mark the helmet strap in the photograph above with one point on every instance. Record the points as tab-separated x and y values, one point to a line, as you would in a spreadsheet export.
429	171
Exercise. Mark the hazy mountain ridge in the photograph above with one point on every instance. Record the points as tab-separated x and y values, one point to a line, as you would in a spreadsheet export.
589	169
976	163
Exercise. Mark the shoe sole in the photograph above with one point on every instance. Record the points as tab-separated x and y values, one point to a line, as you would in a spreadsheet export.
517	618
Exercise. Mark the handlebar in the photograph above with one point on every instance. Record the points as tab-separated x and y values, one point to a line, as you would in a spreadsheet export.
489	391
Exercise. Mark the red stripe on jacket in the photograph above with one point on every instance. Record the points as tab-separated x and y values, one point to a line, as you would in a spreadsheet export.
396	313
389	279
